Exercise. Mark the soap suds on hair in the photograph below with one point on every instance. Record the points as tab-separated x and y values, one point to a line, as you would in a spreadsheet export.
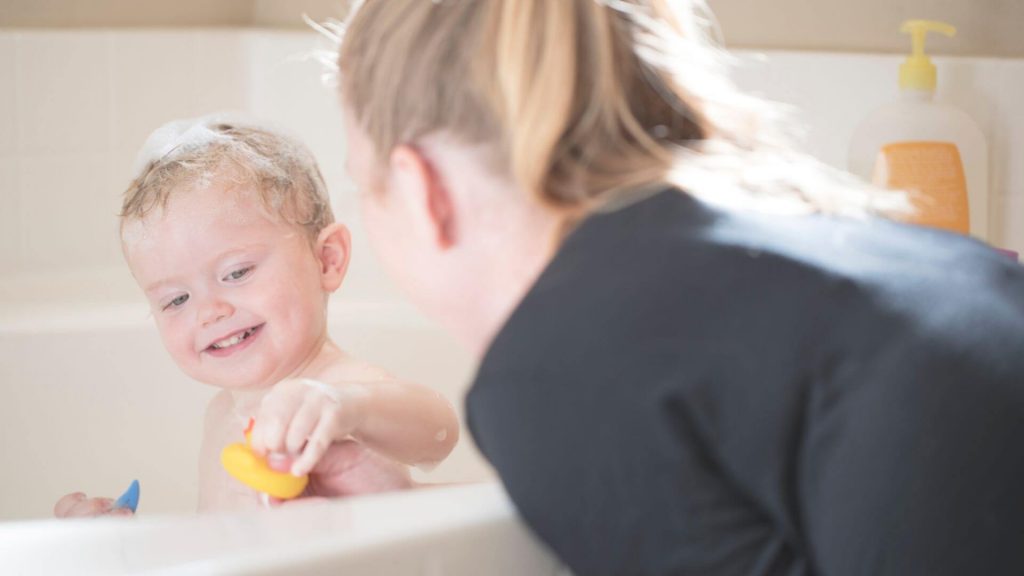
229	153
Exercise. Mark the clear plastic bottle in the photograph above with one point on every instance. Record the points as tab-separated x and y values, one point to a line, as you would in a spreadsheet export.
933	150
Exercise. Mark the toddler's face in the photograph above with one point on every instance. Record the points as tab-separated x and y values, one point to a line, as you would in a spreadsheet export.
237	296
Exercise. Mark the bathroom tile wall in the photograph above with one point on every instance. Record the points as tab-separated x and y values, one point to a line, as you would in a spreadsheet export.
8	109
832	93
287	87
62	93
75	105
74	108
10	214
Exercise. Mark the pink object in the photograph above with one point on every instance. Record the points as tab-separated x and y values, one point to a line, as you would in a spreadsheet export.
1010	253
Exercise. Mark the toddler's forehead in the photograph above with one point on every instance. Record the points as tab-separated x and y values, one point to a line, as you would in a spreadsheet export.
196	213
135	234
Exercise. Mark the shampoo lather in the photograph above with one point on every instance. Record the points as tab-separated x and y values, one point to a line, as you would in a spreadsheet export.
934	151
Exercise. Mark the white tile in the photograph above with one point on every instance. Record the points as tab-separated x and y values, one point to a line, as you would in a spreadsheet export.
10	217
8	107
366	278
1003	84
751	72
831	94
1006	144
222	72
970	84
121	166
287	88
67	210
289	92
1008	214
153	78
119	177
341	189
62	91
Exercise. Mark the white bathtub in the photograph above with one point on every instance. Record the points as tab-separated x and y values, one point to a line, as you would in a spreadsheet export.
457	531
91	401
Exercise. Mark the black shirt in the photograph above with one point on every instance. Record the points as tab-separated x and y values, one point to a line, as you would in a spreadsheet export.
689	390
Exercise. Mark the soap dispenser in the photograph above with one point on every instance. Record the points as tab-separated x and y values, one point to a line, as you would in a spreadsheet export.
932	150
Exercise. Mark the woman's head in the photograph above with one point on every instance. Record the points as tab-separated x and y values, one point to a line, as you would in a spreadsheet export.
568	103
576	98
568	98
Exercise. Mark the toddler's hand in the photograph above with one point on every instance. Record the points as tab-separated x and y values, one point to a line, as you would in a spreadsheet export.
349	468
78	505
302	418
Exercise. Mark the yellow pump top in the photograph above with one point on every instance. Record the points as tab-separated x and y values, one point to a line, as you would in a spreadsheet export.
918	72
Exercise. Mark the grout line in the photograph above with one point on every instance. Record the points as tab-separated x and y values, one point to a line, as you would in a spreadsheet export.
109	45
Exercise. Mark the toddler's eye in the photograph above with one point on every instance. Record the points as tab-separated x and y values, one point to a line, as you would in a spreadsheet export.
177	302
238	274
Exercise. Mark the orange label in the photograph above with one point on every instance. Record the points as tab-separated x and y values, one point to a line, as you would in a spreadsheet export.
933	174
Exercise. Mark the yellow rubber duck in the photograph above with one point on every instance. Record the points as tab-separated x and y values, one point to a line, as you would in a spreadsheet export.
248	468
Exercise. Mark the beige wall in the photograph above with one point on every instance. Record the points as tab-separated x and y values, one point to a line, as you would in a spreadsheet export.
159	13
987	27
124	13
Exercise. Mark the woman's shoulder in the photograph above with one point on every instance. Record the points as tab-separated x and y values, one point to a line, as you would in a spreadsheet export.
672	230
672	221
670	266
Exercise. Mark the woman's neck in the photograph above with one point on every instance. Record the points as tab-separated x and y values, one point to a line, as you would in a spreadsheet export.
509	266
505	238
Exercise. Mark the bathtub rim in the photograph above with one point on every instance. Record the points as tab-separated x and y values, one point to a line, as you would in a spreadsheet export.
426	513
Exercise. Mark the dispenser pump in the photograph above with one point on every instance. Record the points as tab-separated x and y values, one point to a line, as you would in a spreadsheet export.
917	72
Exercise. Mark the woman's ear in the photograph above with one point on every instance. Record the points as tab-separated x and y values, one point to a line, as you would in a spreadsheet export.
333	251
415	176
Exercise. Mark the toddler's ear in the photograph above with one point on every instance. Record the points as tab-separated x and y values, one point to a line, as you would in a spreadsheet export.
333	249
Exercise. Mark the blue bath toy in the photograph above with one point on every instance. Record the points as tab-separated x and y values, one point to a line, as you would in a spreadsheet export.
130	498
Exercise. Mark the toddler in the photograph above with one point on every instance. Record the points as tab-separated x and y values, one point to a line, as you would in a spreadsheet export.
228	230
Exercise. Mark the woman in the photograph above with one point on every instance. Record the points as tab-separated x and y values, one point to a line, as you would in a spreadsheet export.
701	352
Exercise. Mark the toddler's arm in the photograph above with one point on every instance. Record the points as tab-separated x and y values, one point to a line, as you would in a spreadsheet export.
404	421
409	422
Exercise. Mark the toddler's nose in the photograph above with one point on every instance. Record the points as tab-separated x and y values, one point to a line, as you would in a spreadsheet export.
214	311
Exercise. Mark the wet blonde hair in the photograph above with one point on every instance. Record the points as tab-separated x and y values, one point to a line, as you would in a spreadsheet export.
192	154
578	100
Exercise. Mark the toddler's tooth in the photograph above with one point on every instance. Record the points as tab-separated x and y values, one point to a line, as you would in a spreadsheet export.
228	342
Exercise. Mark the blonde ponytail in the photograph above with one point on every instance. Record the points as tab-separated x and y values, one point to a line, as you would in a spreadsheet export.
581	100
534	59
